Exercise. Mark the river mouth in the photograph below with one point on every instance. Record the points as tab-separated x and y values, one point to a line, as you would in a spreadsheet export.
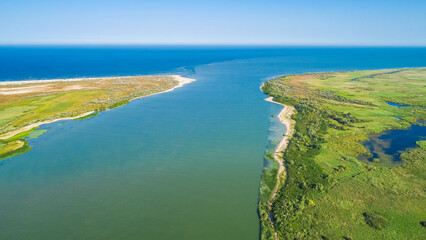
385	148
181	165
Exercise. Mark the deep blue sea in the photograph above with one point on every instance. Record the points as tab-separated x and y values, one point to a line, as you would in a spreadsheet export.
20	63
183	165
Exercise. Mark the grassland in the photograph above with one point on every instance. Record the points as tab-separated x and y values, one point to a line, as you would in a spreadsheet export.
328	193
25	105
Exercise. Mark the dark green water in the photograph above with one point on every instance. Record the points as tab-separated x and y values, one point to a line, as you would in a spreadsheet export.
181	165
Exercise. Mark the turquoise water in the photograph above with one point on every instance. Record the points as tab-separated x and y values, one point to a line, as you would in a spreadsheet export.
180	165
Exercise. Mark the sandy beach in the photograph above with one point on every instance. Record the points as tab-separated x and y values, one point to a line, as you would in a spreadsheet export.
285	117
181	81
8	83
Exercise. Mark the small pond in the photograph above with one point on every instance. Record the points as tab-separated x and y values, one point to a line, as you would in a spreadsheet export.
399	105
388	145
374	75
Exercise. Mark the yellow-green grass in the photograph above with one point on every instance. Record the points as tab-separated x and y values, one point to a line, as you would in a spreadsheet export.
12	148
25	104
355	200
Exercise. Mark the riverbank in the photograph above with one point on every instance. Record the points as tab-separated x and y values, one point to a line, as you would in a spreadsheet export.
328	192
285	118
26	105
35	125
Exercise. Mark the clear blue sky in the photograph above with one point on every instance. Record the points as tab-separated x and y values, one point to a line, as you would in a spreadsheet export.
300	22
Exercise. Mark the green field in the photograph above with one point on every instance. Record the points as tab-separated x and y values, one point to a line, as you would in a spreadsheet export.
329	193
26	104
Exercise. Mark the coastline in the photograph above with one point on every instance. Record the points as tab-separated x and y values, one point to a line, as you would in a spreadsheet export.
335	115
37	124
285	118
181	81
7	83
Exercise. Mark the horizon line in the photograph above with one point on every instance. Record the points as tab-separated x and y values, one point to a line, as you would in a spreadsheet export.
203	45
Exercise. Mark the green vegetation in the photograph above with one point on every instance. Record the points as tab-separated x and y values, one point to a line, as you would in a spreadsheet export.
12	148
88	116
328	192
269	177
374	220
32	103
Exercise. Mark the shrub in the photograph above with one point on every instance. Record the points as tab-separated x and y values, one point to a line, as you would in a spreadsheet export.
374	220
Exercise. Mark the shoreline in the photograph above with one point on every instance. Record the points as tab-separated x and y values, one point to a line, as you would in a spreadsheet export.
334	146
181	81
23	82
285	118
8	135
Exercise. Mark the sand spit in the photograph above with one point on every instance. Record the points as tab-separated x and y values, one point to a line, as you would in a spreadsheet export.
181	81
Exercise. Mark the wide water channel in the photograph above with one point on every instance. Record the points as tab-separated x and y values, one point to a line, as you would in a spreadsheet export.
180	165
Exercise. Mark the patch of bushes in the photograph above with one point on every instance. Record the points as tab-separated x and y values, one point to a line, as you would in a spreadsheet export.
374	220
305	179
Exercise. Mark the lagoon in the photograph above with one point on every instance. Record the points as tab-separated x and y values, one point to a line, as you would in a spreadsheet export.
181	165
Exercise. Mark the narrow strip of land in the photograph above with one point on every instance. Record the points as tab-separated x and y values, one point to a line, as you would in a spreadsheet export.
32	88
